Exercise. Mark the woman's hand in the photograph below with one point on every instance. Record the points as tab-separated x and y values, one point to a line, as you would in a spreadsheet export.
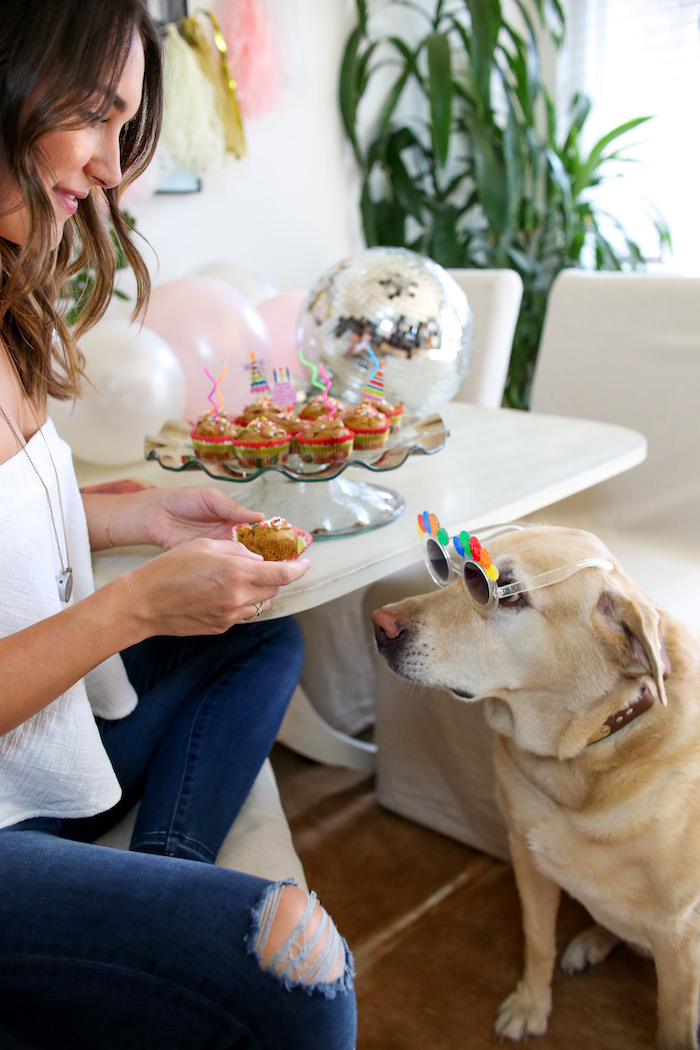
182	514
204	587
166	517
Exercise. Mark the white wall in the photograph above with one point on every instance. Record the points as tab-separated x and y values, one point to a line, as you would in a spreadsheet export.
289	209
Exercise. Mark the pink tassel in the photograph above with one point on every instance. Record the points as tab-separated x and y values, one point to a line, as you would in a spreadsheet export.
251	54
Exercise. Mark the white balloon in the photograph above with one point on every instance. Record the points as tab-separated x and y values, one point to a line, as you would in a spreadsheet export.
140	384
254	287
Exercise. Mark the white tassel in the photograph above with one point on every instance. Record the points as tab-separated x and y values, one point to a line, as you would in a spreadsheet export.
193	132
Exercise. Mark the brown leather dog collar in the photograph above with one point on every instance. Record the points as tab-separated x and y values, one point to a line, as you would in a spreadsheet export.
642	702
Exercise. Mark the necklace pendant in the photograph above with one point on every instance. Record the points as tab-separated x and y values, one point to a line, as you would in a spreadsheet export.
65	584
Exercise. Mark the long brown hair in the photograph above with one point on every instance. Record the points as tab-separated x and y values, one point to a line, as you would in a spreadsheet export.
60	64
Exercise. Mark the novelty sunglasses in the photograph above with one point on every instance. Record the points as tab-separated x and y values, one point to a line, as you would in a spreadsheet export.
470	561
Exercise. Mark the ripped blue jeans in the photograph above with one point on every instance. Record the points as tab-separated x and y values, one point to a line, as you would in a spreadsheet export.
156	948
106	949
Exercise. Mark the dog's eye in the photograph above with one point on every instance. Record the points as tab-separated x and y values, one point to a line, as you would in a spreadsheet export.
519	600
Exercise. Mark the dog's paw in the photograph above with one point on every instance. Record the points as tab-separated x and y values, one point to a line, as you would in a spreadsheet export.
522	1014
588	949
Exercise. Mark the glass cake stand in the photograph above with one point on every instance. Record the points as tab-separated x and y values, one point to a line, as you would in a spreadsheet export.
343	506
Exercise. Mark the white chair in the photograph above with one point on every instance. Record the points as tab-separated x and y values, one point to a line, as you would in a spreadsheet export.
494	297
625	348
259	841
617	348
338	678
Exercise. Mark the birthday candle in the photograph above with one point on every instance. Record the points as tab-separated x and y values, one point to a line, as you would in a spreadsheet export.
215	390
324	396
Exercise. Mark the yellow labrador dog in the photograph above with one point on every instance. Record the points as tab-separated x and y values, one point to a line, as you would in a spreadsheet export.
593	695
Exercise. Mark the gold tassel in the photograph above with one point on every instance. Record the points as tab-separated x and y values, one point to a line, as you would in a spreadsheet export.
220	76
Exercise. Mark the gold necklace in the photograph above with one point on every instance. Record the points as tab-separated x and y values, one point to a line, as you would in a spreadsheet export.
65	577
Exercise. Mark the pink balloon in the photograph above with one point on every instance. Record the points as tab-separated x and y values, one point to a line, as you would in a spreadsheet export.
210	325
281	317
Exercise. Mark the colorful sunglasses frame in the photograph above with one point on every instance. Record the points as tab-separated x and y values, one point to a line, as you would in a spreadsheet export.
482	568
466	545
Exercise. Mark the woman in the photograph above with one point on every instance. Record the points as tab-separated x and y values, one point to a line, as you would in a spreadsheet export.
153	687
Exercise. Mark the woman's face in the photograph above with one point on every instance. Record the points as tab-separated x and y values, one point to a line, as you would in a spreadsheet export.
71	162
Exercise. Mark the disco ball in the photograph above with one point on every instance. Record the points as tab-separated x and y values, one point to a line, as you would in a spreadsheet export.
391	316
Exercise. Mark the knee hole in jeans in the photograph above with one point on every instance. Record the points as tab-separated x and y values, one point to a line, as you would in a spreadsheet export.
295	938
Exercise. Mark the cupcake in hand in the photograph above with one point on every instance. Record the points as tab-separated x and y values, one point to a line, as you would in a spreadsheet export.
275	539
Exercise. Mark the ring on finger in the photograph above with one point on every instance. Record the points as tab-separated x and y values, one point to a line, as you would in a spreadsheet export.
258	608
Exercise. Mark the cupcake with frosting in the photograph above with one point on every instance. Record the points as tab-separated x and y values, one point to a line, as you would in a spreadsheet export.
261	406
292	424
369	426
326	440
321	406
262	443
393	412
275	539
213	435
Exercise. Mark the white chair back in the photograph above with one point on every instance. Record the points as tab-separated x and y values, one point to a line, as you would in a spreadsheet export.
625	348
494	297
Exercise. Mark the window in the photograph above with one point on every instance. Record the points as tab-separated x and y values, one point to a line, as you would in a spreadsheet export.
638	58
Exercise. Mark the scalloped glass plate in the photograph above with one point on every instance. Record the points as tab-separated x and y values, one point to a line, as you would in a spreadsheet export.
172	448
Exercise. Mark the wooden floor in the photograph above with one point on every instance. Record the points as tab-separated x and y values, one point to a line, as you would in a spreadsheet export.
434	927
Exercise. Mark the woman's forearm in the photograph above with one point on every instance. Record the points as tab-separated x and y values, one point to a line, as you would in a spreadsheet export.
201	587
116	520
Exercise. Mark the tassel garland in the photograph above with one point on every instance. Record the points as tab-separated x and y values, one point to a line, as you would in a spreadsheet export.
192	133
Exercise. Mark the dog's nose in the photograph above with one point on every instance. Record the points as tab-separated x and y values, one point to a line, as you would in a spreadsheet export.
387	625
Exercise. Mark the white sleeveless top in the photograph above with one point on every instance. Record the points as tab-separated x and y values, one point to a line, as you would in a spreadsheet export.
53	764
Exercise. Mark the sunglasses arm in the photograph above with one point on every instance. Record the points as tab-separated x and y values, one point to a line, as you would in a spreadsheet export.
545	579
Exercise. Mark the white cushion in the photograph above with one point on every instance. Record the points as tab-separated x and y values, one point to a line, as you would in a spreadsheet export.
259	841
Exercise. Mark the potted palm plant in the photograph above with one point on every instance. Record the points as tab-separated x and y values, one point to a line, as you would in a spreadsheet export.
463	156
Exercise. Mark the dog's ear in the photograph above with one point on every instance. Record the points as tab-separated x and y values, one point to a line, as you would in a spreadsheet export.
638	622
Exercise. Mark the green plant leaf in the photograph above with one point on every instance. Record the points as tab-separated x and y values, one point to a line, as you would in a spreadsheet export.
349	90
486	21
405	187
595	157
440	94
579	110
443	243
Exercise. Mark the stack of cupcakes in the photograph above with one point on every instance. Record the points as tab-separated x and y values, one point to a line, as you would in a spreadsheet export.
324	431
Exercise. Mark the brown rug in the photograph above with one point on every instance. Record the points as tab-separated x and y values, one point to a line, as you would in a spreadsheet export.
435	928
